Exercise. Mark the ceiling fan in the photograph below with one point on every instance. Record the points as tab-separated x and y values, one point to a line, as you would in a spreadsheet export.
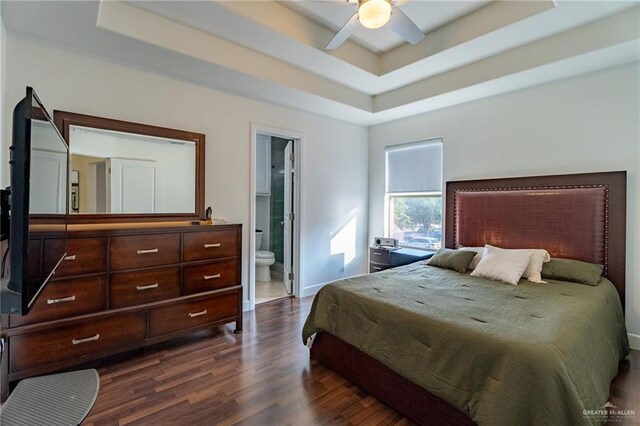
375	14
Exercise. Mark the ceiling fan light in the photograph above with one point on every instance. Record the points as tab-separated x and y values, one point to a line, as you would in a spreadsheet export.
374	13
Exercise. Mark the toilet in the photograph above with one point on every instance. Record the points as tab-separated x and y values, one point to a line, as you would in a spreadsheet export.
264	259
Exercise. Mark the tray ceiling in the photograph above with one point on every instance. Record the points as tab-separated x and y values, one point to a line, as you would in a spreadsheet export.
273	51
427	15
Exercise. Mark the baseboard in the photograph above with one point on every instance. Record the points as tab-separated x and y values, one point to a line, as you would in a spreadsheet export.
246	306
310	291
634	341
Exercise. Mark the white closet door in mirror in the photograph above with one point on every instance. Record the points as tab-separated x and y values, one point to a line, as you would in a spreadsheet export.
48	181
133	186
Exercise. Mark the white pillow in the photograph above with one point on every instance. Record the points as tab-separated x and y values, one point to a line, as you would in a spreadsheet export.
538	257
534	268
502	265
474	262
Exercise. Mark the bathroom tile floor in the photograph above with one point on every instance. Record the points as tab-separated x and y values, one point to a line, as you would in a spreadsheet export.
270	290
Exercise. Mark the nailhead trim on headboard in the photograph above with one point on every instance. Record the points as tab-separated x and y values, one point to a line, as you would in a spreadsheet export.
537	188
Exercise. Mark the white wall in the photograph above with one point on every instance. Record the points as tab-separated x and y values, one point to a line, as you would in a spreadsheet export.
334	185
583	124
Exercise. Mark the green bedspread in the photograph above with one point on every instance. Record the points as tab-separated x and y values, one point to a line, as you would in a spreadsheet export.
505	355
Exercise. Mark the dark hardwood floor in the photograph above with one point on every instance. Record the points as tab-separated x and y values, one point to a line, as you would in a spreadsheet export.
625	389
261	377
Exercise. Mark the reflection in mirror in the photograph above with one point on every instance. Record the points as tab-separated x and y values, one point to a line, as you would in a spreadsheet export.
48	174
121	172
75	191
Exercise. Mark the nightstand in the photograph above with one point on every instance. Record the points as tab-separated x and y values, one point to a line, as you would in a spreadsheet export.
381	258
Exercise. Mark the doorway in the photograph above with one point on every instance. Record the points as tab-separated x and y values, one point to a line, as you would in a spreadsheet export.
275	194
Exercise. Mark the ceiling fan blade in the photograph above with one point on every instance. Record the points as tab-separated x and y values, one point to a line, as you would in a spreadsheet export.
403	26
344	33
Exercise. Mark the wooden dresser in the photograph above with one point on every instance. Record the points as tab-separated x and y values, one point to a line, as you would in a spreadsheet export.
121	287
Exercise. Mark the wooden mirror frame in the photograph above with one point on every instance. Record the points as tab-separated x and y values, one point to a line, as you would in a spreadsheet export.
64	120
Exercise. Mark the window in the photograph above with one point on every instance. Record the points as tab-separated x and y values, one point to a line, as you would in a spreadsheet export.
414	194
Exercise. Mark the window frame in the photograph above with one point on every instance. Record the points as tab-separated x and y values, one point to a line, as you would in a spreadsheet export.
389	215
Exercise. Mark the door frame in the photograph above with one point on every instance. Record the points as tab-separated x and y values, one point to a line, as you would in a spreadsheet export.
297	138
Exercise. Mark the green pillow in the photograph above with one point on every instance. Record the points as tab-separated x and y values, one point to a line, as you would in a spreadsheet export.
572	270
456	260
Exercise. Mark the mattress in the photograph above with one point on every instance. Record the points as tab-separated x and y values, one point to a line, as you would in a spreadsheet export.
502	354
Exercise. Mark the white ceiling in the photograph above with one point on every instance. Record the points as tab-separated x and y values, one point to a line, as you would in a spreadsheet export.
269	51
427	15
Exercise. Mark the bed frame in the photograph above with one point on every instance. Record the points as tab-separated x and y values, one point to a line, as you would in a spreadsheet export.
578	216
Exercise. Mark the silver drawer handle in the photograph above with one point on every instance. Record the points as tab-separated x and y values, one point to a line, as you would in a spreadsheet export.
210	277
147	287
62	299
197	314
377	268
86	339
72	257
212	245
155	250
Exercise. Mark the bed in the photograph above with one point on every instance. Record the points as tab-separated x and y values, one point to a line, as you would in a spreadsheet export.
447	348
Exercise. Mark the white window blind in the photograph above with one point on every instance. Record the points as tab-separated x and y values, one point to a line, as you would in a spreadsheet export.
415	167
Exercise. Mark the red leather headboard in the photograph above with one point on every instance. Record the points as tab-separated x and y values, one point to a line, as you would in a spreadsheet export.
568	222
571	216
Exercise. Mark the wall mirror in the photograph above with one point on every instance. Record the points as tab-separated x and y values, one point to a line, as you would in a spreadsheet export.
122	171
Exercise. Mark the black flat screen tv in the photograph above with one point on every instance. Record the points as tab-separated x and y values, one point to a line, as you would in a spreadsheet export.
37	204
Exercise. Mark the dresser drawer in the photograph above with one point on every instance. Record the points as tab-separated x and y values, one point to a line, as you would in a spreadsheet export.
138	251
210	245
135	288
188	315
211	276
84	255
76	341
66	298
377	267
380	256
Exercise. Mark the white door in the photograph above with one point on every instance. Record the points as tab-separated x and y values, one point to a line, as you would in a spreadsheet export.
288	216
48	189
133	186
